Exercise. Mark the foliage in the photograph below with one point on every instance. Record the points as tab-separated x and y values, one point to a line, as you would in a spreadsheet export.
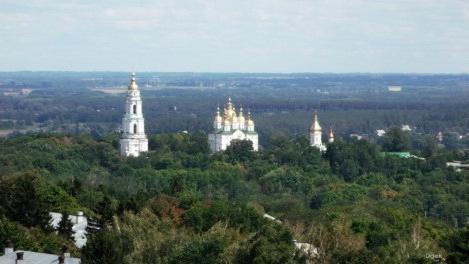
272	244
65	226
239	151
180	204
106	248
21	200
33	239
458	246
396	140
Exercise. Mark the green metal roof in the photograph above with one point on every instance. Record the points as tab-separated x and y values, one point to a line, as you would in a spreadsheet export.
397	154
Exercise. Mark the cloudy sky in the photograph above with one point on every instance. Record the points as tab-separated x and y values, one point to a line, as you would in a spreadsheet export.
422	36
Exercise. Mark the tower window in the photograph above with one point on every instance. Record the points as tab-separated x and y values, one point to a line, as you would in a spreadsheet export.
135	128
135	109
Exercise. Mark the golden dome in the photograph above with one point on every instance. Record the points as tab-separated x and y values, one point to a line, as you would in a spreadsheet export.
241	118
227	116
315	126
133	83
234	118
218	118
229	110
249	122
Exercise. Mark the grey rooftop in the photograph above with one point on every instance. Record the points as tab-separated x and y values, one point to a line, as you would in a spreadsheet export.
30	257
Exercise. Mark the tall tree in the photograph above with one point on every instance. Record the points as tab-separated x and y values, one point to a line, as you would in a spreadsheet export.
65	226
240	151
396	140
20	200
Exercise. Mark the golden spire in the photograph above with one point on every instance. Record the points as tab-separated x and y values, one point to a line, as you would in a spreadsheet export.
229	110
315	127
234	118
241	116
218	118
229	104
133	83
226	114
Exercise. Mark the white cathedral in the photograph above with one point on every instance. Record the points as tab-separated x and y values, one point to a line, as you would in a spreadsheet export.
133	140
315	135
230	127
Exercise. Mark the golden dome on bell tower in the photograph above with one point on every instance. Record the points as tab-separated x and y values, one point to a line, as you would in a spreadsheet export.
133	83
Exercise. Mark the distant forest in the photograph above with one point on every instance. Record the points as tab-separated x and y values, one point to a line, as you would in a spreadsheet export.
74	103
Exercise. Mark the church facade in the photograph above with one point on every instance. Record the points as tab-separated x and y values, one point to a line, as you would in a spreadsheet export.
133	140
230	127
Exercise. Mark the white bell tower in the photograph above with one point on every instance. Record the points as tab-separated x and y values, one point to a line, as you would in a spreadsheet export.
133	140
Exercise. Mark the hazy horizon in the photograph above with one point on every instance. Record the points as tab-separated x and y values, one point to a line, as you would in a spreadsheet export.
234	72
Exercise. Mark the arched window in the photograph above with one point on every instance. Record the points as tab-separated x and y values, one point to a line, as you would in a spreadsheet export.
135	128
135	109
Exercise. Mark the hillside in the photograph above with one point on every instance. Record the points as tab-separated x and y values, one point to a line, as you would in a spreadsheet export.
179	204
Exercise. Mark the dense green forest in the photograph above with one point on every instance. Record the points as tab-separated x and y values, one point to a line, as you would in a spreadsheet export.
179	204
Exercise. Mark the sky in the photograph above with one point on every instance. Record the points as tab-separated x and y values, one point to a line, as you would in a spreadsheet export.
338	36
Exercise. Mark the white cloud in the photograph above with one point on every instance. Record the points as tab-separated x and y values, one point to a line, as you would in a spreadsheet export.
133	18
